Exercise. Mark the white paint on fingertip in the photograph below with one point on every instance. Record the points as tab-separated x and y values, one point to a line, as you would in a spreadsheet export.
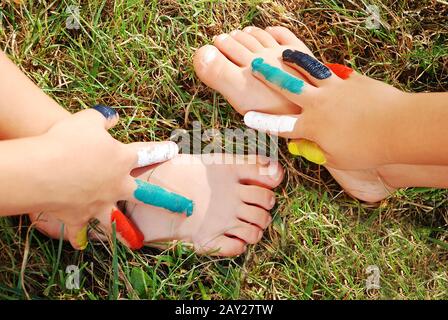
269	123
157	153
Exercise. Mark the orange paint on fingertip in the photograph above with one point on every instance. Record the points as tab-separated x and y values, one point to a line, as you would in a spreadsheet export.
127	230
340	70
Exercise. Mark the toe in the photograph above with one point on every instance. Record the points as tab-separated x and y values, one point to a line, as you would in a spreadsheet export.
249	233
247	40
285	37
261	174
257	196
223	246
262	36
254	215
215	70
233	50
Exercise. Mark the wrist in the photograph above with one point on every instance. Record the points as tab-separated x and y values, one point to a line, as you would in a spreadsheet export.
24	168
419	134
392	126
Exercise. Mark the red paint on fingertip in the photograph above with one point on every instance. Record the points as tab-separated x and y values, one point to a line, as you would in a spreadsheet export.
127	229
340	70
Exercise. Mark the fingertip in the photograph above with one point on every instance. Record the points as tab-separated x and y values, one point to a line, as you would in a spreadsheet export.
110	114
155	152
307	149
78	237
130	234
270	123
280	79
106	111
307	63
340	70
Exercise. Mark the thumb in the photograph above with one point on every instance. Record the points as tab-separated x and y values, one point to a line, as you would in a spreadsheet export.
99	115
307	149
77	235
286	126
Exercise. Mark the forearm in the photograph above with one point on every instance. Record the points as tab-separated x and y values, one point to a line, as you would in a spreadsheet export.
421	130
25	110
24	172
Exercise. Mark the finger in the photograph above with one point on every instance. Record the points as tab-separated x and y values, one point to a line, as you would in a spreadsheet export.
148	193
292	88
340	70
127	231
286	126
77	235
307	149
316	72
147	153
109	114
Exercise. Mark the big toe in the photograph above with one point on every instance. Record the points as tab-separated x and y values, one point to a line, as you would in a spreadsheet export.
212	67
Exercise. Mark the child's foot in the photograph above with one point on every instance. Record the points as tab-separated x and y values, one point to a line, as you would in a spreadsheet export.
225	67
231	204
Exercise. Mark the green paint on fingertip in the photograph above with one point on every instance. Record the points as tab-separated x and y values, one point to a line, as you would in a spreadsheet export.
156	196
277	76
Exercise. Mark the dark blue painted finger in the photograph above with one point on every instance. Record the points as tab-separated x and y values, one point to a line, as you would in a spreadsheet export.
315	68
107	112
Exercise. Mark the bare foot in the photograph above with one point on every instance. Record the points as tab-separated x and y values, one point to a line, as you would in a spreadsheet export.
225	67
232	203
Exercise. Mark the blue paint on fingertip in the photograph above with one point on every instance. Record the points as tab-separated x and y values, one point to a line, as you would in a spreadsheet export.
106	111
311	65
157	196
277	76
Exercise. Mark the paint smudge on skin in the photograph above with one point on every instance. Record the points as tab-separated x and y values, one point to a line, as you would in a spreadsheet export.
106	111
308	63
340	70
159	197
156	153
269	123
277	76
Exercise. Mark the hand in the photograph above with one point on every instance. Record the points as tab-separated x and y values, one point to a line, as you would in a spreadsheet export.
90	172
345	124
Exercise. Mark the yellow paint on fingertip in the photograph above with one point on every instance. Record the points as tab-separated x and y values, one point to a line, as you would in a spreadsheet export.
81	238
307	149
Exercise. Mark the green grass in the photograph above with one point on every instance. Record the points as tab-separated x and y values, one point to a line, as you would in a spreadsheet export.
137	56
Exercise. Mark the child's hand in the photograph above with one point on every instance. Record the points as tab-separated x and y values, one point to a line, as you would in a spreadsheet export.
350	120
90	171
